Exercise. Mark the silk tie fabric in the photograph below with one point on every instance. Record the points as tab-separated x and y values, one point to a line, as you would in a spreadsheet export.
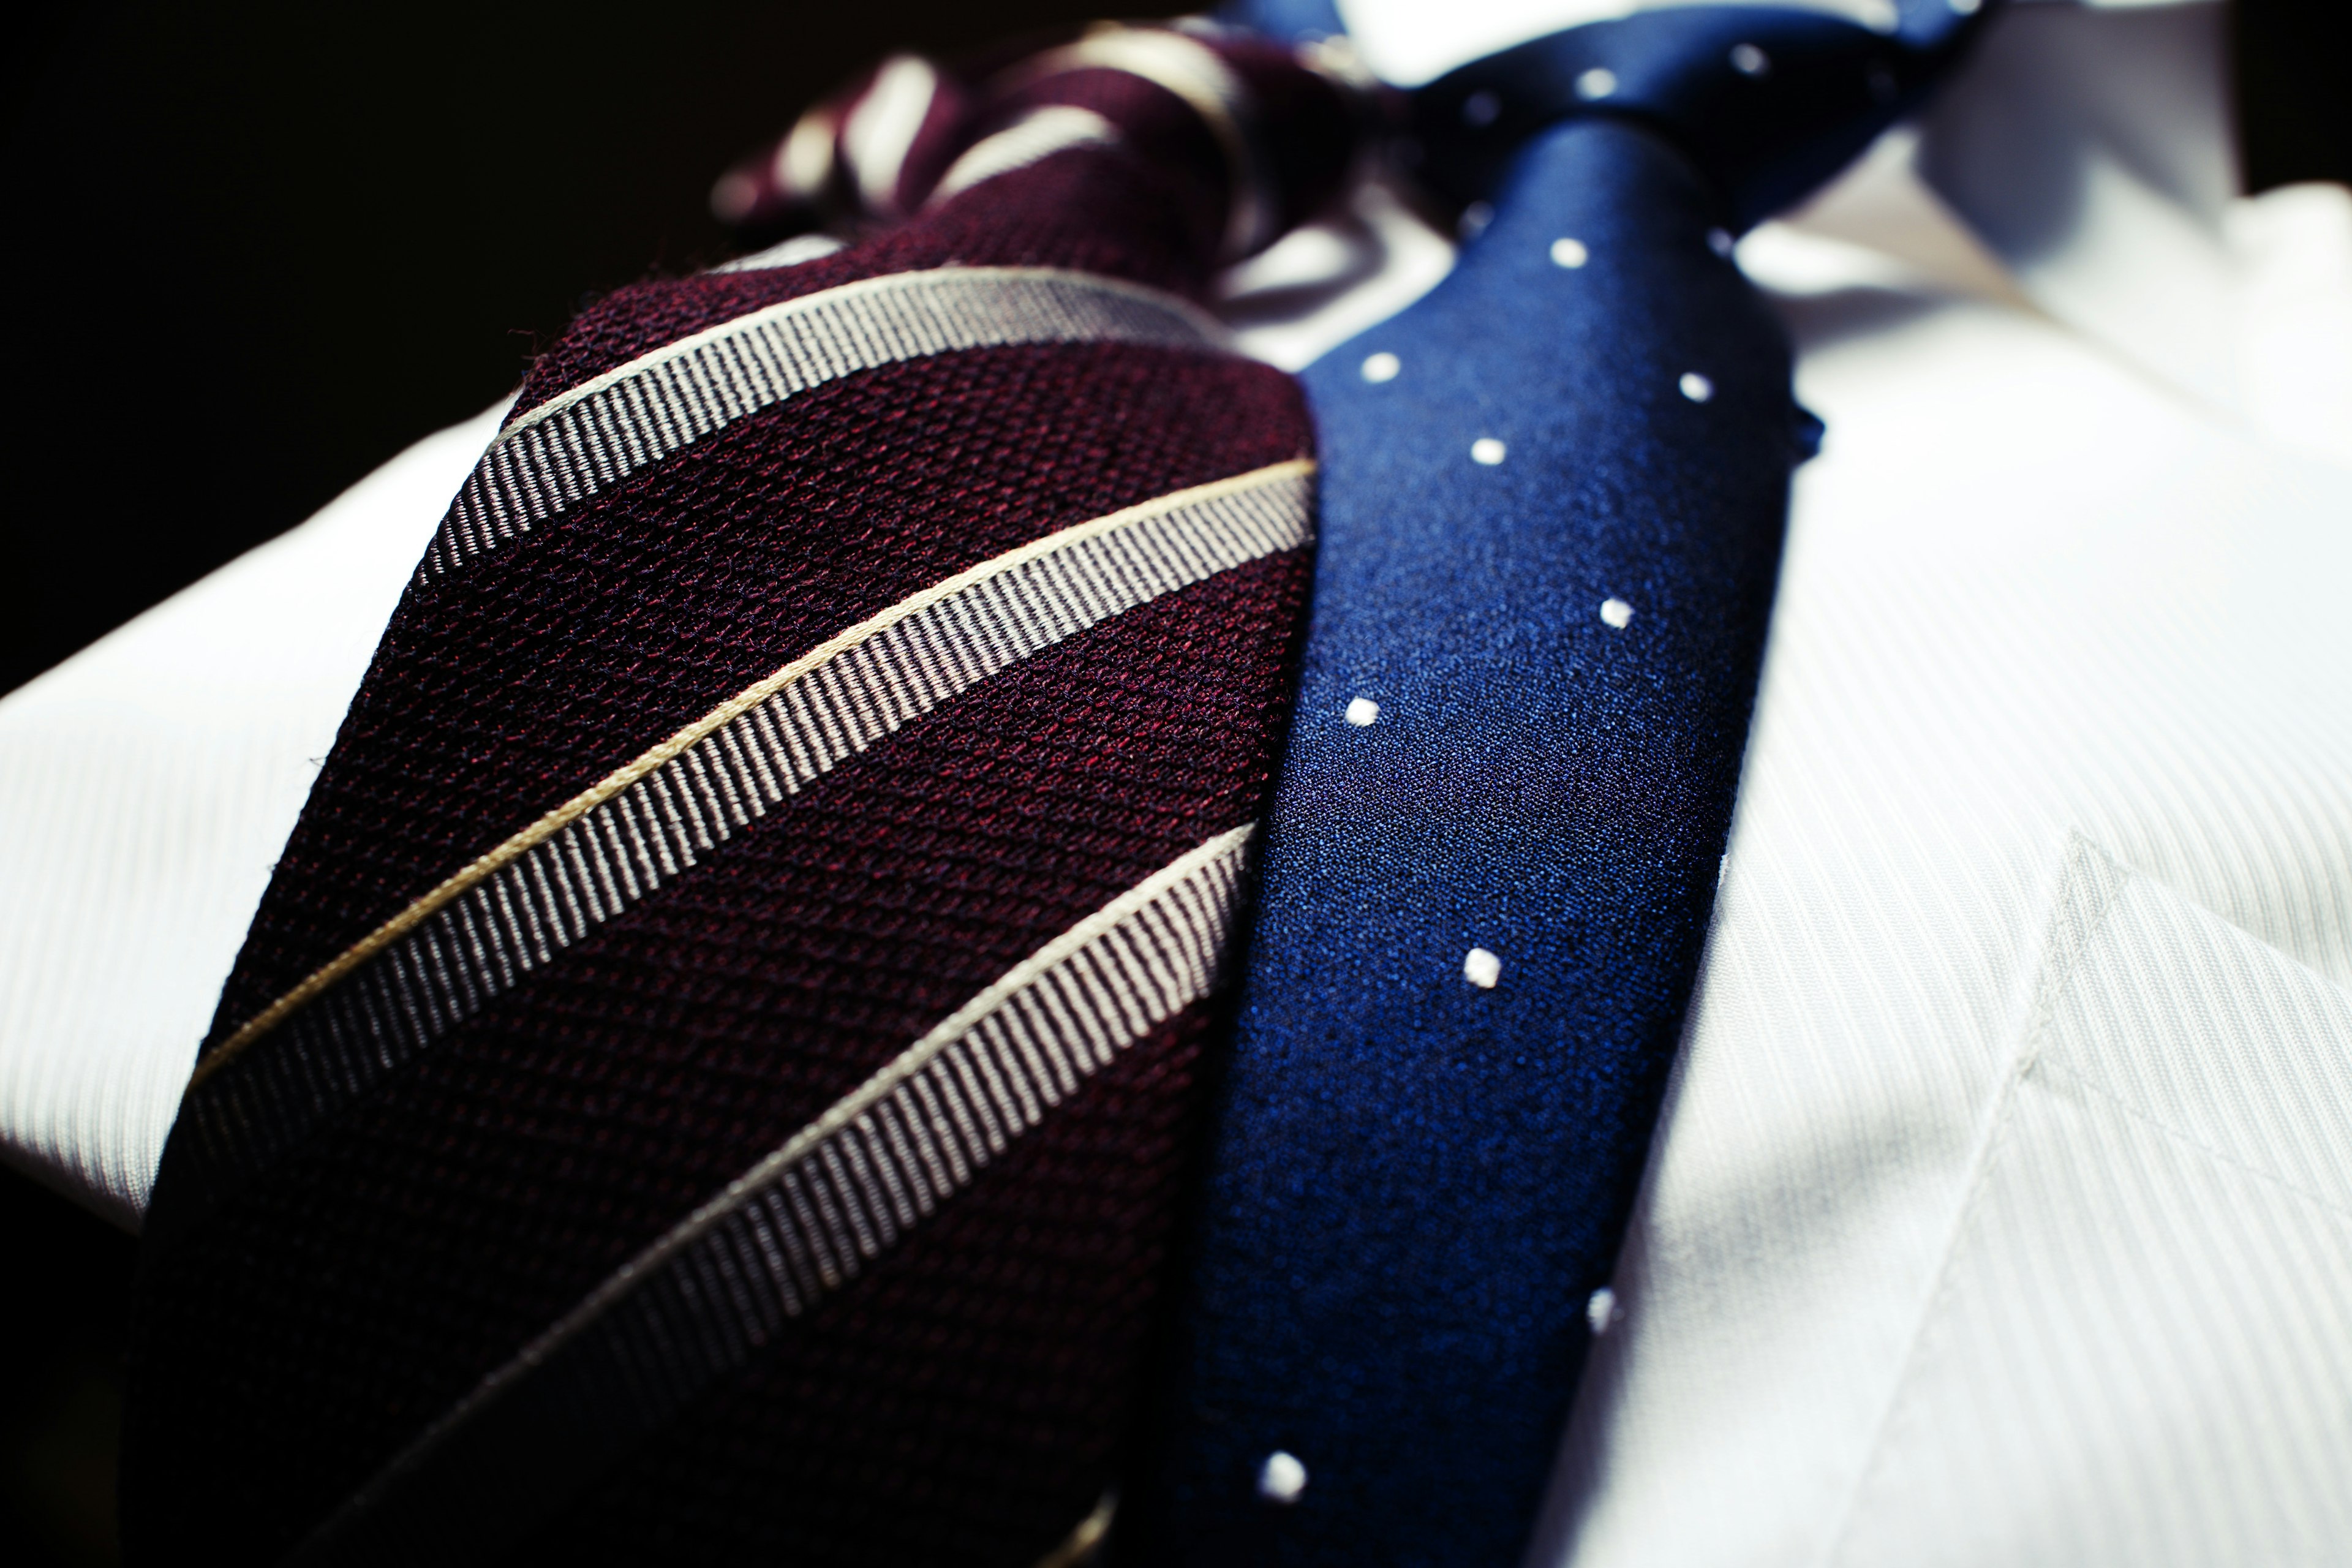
1553	496
708	1078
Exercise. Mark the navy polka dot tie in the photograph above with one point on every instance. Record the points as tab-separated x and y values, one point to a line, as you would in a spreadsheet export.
1552	504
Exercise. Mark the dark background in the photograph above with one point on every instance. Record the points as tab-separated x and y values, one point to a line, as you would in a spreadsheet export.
254	250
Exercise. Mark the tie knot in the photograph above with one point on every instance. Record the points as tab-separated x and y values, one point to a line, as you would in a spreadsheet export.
1767	102
1242	135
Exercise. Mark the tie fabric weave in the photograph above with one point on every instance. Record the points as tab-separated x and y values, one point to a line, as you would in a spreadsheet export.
708	1079
1553	496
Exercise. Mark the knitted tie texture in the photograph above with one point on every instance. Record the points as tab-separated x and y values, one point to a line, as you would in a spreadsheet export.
709	1077
1553	496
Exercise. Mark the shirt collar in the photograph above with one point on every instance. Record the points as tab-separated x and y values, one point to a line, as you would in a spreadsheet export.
2081	167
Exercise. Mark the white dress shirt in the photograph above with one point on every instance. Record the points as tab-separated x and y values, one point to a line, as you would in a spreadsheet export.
2002	1206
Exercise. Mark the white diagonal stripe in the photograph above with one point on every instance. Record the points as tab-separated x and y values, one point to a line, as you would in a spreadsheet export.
804	1220
551	457
1036	135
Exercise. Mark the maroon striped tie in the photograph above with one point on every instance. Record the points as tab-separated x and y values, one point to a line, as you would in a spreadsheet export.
710	1076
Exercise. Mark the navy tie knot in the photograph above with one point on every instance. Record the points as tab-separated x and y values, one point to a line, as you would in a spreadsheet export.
1766	102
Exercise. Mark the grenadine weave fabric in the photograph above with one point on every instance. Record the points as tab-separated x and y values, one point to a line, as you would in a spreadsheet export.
1553	499
709	1078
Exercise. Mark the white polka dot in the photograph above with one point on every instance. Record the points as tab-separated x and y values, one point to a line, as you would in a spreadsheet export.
1749	60
1598	82
1481	968
1570	253
1487	450
1382	367
1696	387
1281	1478
1363	711
1719	240
1475	219
1602	1310
1965	7
1617	613
1481	109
